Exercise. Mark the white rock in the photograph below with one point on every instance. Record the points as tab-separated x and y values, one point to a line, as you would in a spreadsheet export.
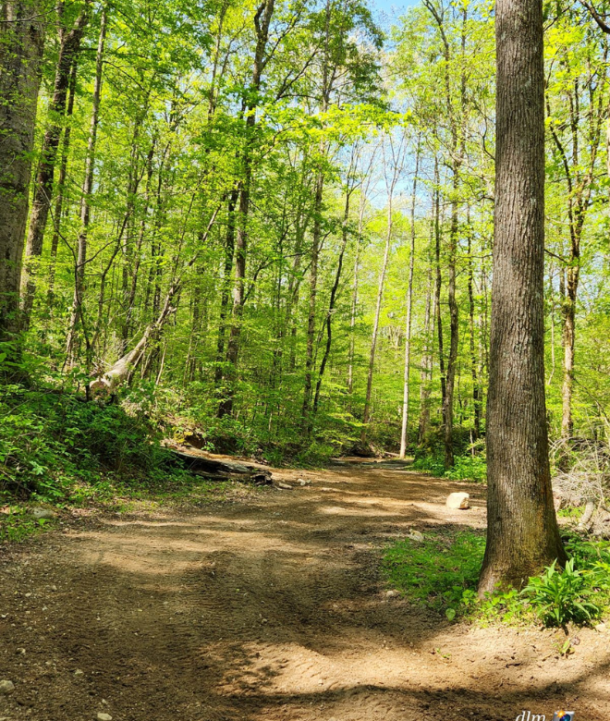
601	627
284	486
458	501
416	536
43	513
303	482
104	716
78	672
6	687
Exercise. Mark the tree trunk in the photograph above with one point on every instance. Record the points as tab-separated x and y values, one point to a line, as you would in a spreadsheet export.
226	280
313	291
453	328
476	391
522	532
439	282
405	395
69	47
85	212
21	47
61	186
331	303
262	22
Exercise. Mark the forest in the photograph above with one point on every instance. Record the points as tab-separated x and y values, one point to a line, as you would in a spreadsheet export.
283	219
347	242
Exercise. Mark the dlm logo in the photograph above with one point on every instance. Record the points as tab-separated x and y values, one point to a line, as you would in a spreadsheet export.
557	716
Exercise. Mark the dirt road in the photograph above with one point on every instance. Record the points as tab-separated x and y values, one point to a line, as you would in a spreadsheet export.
270	609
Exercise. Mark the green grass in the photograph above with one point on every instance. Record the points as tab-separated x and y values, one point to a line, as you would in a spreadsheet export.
441	574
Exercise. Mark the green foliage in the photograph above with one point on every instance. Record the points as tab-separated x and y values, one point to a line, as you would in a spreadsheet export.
16	524
564	596
52	441
466	468
442	573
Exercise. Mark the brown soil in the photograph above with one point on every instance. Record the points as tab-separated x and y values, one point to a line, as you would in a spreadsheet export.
266	609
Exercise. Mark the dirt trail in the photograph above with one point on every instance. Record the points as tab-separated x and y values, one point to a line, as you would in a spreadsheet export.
266	610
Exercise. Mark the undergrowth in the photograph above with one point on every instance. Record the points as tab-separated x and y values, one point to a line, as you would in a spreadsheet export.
466	467
441	573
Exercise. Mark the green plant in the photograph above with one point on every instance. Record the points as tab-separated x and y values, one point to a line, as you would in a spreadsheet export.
442	573
563	596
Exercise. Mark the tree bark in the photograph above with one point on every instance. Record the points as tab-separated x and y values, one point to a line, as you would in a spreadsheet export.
407	368
21	47
522	532
69	47
262	22
85	211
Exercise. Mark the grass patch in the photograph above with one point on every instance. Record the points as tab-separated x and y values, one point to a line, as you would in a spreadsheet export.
441	573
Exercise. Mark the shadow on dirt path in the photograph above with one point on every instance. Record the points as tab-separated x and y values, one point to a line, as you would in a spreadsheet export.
266	610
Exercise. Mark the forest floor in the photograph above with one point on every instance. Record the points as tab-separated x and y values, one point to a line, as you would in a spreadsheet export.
269	608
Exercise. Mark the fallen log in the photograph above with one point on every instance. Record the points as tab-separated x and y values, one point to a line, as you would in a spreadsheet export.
221	469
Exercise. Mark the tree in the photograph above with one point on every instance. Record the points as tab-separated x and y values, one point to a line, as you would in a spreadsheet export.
522	536
21	47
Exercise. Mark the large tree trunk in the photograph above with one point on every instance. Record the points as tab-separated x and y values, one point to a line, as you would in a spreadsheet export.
21	46
69	47
522	536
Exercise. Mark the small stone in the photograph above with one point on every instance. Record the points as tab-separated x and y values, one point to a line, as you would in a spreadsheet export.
78	672
458	501
416	536
284	486
45	513
391	594
21	651
601	628
6	687
104	716
304	482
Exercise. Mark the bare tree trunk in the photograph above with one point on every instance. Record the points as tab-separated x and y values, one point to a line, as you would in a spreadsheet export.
354	308
69	47
476	391
21	46
331	303
226	280
453	328
405	395
313	291
439	282
85	213
522	532
61	185
397	161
